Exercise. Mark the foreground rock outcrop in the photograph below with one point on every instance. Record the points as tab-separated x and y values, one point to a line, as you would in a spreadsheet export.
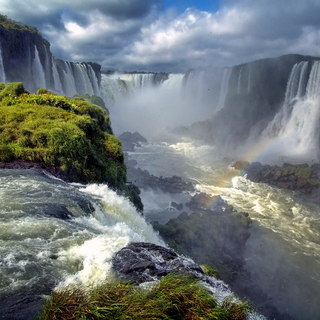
143	262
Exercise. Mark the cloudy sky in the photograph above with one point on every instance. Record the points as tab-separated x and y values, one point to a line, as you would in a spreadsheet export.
171	35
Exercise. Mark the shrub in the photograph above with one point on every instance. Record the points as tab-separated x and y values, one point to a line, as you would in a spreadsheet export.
42	91
13	89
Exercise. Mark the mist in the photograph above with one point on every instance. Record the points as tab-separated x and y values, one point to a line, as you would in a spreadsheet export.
156	109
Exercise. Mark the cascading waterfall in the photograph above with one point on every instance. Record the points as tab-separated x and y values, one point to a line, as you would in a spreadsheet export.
56	80
82	80
224	87
69	84
297	81
93	80
239	80
113	89
38	71
295	126
117	86
2	72
48	68
139	80
249	78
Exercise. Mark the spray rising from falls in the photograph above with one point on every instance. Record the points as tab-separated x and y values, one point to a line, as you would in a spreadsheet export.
161	101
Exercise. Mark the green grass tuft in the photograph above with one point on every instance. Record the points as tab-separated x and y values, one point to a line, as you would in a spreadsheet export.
210	271
176	296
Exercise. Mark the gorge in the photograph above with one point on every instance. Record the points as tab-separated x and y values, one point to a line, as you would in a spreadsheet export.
197	124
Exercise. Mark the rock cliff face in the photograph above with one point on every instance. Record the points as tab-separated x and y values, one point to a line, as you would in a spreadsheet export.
26	57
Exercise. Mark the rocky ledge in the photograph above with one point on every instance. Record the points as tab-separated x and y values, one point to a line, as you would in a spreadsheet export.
20	164
131	140
141	262
143	179
301	177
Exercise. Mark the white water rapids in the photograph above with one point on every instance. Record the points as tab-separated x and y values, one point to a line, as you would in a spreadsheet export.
54	234
283	251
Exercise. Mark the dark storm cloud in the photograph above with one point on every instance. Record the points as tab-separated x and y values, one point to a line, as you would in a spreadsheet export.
127	9
139	35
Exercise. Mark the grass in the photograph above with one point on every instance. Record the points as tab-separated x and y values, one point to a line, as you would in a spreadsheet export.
210	271
70	134
176	296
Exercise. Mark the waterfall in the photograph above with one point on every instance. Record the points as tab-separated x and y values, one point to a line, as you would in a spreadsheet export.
239	81
249	78
82	81
93	80
112	89
48	68
69	84
297	81
297	123
224	87
56	79
117	86
139	80
2	72
38	71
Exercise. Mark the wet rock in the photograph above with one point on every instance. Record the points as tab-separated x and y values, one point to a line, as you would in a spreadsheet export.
214	234
21	306
178	206
131	140
240	165
56	210
140	262
143	179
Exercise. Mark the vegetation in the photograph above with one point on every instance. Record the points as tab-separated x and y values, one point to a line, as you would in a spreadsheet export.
13	25
92	99
210	271
174	297
72	135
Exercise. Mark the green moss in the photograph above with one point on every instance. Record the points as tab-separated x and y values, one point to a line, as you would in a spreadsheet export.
73	135
313	181
287	171
303	172
210	271
278	173
174	297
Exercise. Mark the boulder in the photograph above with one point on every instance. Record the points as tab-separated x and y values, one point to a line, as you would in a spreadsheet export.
141	262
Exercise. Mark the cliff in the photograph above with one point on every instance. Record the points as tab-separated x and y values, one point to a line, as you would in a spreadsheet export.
25	56
70	135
